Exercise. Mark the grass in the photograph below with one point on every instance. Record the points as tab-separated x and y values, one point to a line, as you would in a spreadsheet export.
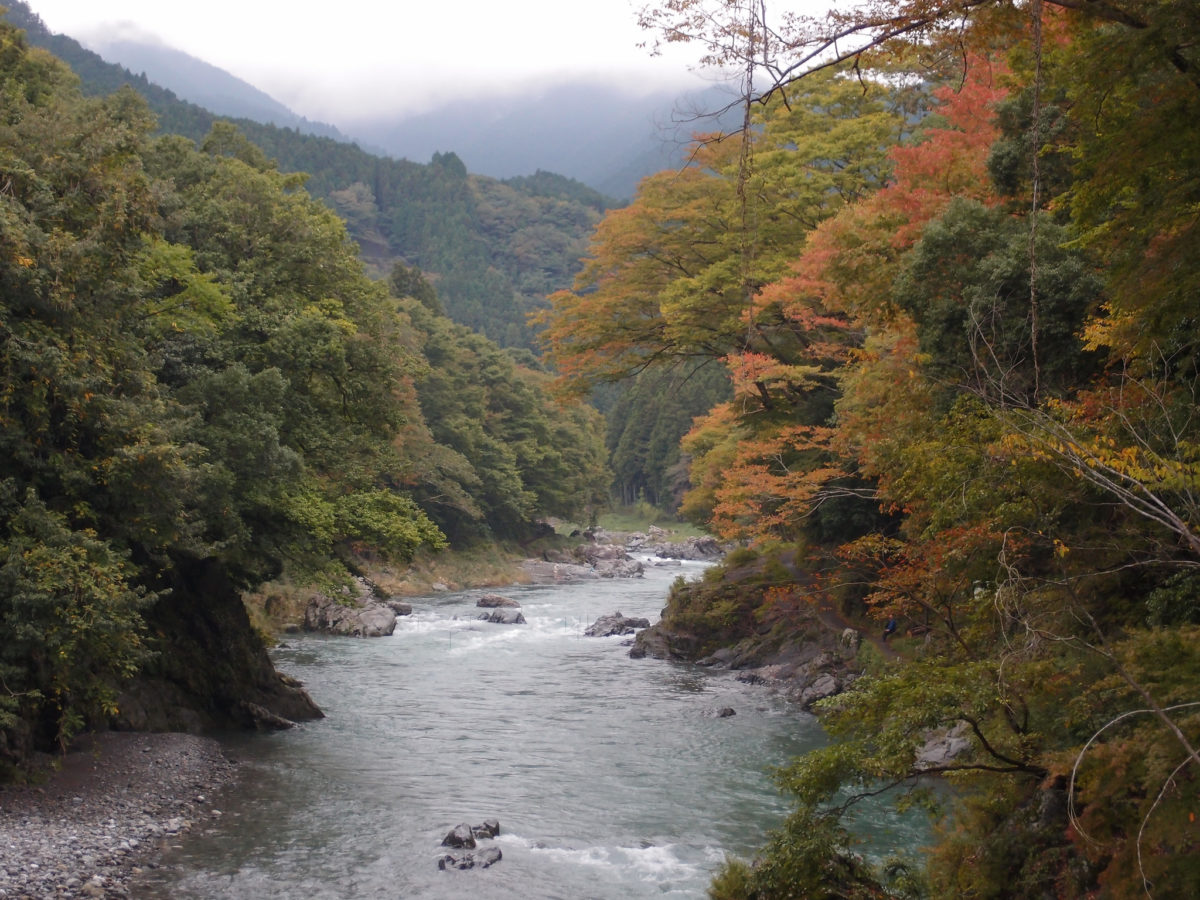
639	517
482	565
280	603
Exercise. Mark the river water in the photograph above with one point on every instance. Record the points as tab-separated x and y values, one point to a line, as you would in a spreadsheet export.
611	777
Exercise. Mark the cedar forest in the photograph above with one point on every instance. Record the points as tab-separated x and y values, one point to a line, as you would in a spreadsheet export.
937	303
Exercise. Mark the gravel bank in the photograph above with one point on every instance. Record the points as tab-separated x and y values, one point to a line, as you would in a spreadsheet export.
105	813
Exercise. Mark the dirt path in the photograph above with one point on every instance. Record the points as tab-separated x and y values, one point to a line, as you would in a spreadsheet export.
831	618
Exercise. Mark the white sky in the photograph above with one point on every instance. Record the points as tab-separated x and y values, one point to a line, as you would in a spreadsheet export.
327	60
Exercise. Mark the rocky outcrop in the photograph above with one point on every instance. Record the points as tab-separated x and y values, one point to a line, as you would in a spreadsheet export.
810	656
657	542
210	668
585	562
943	746
354	611
607	626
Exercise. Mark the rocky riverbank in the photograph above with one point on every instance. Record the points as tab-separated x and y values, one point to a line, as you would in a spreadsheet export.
97	817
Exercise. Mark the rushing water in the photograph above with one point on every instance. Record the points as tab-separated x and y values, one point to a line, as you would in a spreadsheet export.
611	777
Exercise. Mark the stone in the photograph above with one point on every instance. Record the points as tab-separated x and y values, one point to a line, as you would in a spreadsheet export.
696	548
352	613
542	572
489	828
456	861
719	712
616	624
399	607
619	568
460	837
504	617
489	857
484	859
495	601
942	747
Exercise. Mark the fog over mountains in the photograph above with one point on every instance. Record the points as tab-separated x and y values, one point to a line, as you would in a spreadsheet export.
204	84
604	135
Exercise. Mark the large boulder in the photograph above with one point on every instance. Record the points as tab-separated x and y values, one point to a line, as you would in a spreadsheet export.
599	557
461	836
693	548
329	616
355	610
495	601
488	828
607	626
619	568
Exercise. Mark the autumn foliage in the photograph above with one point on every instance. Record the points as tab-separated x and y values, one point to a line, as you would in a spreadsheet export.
965	394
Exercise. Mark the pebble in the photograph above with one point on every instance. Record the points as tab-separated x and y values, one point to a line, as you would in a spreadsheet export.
100	819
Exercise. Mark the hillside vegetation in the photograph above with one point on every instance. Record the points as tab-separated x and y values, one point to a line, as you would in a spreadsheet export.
494	249
201	388
955	283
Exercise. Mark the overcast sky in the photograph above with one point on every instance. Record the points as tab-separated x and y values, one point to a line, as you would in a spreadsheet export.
327	60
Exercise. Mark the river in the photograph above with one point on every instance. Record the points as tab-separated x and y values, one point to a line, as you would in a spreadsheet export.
611	777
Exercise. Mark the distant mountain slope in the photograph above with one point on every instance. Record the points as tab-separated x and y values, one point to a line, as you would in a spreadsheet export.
604	135
493	249
206	85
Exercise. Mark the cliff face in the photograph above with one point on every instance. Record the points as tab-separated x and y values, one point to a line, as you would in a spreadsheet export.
211	668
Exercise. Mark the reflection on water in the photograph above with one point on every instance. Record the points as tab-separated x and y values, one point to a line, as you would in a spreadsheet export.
611	777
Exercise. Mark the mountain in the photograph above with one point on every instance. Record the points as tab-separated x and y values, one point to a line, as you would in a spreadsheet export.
204	84
606	136
493	249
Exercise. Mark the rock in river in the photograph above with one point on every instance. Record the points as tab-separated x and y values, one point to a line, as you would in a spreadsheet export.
495	601
460	836
607	626
467	860
504	616
355	613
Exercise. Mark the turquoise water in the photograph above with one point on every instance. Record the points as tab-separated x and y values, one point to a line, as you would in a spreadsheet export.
611	777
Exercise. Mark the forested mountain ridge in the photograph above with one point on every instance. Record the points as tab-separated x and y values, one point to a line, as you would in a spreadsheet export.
201	387
605	135
955	285
494	249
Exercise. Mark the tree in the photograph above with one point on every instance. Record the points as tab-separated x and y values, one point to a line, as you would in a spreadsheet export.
1042	504
674	276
